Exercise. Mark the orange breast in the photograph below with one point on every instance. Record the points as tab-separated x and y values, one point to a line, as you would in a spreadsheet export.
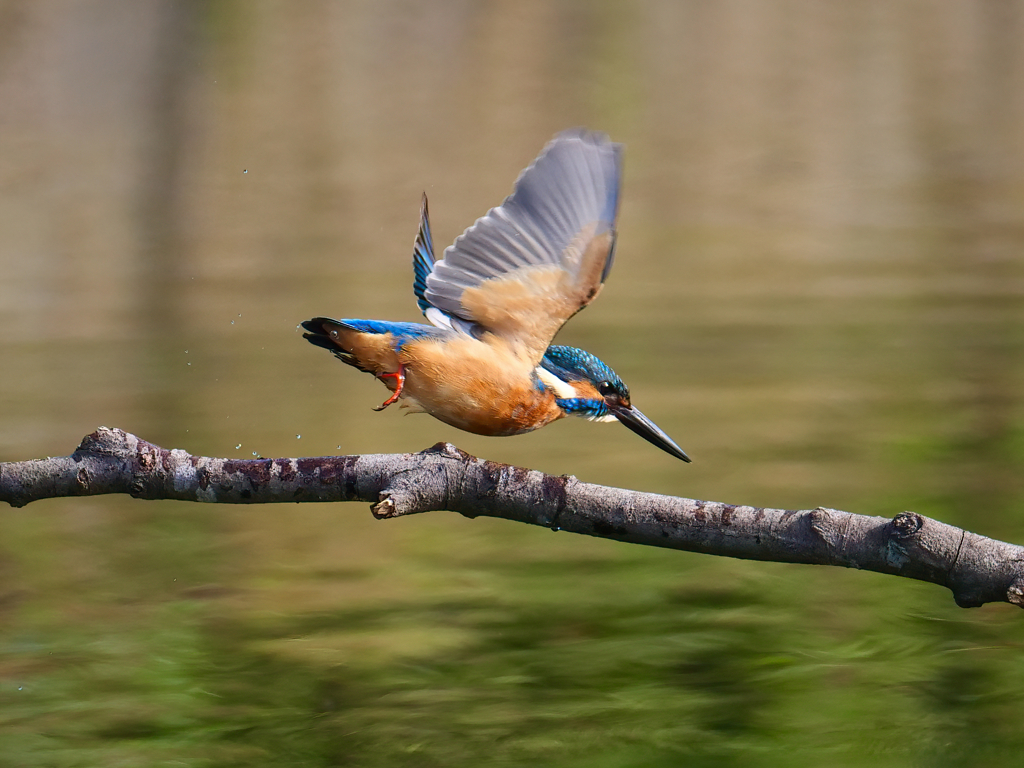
482	387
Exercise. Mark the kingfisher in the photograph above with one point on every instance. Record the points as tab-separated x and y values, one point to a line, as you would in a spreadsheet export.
495	300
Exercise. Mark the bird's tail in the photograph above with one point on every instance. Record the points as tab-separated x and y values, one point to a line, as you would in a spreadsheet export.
369	345
331	335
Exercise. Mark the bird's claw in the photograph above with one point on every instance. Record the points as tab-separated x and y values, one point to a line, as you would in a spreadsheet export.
399	378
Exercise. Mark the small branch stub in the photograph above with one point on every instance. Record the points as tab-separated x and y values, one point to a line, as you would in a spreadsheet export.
1015	594
385	508
906	524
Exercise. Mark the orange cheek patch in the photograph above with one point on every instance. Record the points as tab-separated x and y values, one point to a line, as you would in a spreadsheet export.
587	391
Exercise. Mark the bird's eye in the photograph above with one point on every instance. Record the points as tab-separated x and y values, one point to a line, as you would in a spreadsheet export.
605	388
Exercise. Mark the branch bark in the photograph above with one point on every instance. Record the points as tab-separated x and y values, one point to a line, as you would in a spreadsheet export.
976	569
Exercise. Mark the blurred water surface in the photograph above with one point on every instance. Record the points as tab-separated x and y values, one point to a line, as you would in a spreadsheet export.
819	293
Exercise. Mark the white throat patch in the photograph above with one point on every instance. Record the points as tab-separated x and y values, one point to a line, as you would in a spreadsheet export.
562	389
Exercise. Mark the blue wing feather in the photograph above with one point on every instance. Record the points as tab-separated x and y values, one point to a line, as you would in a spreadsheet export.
423	257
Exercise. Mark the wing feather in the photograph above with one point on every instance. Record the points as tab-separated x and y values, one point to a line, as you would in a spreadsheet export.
422	256
530	264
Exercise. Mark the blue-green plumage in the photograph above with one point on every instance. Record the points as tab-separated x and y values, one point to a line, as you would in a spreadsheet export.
570	363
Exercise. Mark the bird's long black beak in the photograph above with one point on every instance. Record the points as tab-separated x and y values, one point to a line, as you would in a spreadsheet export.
648	430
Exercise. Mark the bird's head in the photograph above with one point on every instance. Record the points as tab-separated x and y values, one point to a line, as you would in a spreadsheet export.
585	386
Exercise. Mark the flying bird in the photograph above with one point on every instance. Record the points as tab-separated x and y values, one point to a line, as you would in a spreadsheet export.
495	301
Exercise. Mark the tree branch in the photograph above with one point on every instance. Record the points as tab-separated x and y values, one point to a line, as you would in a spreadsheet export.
976	569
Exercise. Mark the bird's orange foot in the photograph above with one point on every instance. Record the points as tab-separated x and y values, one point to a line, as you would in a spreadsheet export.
399	386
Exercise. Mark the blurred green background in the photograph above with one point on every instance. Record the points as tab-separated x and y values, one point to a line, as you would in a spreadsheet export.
819	293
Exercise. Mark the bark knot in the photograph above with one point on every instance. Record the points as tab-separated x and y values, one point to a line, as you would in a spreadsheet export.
448	450
907	524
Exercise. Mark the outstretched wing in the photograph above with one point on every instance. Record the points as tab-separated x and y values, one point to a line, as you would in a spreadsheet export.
534	261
